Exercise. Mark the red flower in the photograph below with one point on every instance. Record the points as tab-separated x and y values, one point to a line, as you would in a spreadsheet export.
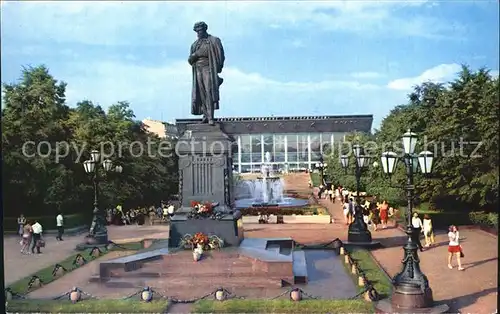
208	206
194	203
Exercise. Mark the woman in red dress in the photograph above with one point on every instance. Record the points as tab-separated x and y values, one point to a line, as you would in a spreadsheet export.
454	247
384	213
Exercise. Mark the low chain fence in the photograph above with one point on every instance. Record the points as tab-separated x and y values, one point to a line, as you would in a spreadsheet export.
147	294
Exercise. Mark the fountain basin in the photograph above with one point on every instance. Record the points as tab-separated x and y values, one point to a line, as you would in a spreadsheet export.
286	202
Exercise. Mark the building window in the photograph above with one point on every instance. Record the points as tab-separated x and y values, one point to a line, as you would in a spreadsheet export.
245	157
246	168
291	143
256	144
279	157
338	137
302	147
246	144
256	157
268	143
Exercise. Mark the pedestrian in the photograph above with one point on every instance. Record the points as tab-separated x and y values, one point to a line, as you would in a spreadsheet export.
428	231
26	241
60	226
37	241
384	213
375	217
345	211
454	247
417	228
21	221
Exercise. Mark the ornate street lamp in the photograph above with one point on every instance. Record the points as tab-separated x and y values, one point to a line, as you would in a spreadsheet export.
98	233
321	166
411	286
358	230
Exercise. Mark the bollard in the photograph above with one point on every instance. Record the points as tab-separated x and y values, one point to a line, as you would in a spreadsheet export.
354	269
361	281
342	251
346	259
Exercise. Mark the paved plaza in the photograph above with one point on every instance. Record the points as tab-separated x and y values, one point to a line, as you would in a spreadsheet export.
471	291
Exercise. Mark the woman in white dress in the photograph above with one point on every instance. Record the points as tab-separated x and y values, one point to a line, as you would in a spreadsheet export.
428	232
345	211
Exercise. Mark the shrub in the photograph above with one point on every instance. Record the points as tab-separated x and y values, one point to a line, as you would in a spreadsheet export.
484	219
440	219
48	222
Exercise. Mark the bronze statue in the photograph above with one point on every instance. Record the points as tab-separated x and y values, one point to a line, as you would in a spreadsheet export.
207	60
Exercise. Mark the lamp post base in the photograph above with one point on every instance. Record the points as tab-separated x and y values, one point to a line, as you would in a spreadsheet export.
91	241
358	231
411	296
387	306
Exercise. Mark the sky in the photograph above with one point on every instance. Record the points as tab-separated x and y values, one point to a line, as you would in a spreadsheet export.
282	58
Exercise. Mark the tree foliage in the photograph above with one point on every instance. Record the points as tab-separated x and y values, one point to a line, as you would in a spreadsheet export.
39	183
458	123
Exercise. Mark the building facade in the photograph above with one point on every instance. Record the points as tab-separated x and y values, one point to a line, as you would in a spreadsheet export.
160	128
295	143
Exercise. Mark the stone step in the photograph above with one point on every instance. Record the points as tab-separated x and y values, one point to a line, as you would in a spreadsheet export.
274	248
189	272
299	267
207	283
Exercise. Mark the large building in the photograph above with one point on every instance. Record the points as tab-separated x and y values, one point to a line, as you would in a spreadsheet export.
295	143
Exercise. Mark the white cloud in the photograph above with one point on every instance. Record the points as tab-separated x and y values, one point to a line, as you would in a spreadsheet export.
494	73
113	22
438	74
366	75
297	43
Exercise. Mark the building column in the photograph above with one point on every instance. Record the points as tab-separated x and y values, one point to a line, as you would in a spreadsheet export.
309	151
285	141
239	153
262	148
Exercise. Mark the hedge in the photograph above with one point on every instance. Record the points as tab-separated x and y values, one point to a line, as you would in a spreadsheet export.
484	219
48	222
440	219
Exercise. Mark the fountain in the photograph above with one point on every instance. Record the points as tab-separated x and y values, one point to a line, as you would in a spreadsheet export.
266	191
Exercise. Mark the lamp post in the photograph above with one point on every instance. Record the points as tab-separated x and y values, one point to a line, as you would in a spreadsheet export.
411	286
98	233
358	230
321	166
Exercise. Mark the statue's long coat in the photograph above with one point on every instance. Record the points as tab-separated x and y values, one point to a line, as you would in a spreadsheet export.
216	63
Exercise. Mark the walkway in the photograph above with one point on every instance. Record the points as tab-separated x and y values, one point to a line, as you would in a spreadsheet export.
18	266
471	291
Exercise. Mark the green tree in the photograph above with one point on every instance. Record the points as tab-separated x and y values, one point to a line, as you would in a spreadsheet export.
40	184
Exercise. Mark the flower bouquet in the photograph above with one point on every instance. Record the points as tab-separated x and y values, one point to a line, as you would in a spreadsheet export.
204	210
201	242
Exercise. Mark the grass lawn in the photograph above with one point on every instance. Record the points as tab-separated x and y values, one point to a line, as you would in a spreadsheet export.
86	306
315	179
45	274
283	306
373	273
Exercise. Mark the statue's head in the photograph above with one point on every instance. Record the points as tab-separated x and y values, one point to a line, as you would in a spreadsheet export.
201	29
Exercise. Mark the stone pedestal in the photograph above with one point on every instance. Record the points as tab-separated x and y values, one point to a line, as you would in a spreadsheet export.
229	228
205	175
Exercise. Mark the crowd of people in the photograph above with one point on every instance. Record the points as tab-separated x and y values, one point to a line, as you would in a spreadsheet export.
376	214
31	233
117	216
